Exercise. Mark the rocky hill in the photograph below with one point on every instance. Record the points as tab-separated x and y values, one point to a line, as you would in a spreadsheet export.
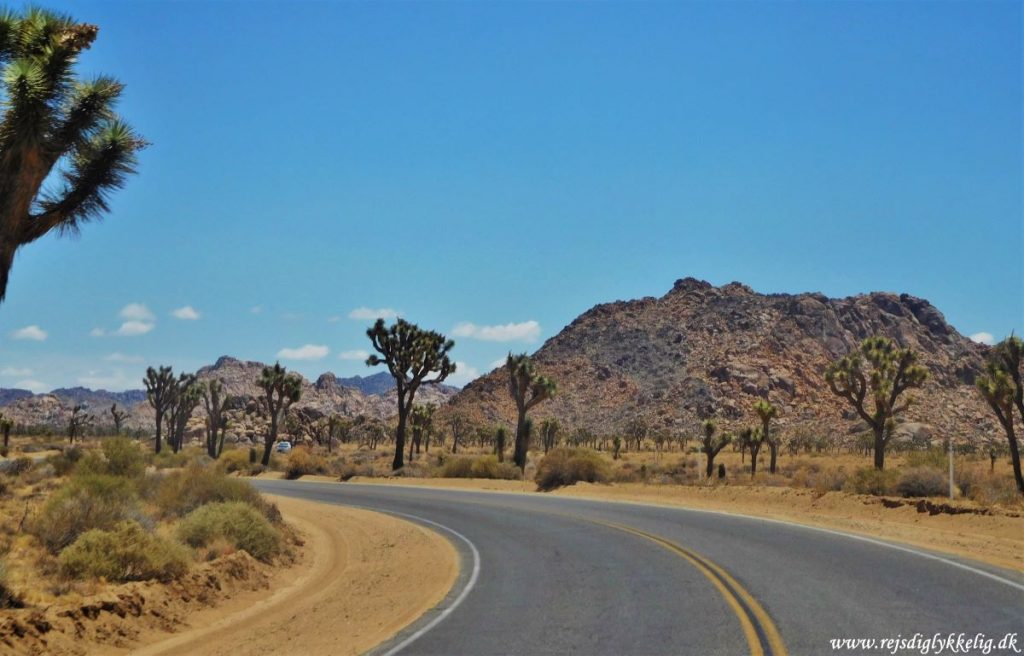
702	351
328	395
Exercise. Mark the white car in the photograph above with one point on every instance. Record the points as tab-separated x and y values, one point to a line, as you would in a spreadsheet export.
284	447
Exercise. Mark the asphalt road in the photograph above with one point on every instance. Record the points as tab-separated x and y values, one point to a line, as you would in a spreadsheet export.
552	575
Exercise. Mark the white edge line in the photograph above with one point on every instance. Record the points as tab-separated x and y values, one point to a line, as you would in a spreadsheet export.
458	600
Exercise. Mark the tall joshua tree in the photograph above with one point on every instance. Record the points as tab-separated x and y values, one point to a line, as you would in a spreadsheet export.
711	445
55	127
874	393
459	424
528	389
159	391
6	424
422	420
280	390
549	433
411	355
214	400
1002	389
766	412
118	416
78	423
185	395
752	439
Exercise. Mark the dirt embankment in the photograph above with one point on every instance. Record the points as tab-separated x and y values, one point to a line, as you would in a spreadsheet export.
360	578
989	535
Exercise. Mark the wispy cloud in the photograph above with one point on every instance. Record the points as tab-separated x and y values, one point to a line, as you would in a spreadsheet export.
983	338
370	314
463	374
14	372
355	354
306	352
97	332
126	359
256	309
33	333
187	313
113	381
138	320
500	362
32	385
134	328
527	331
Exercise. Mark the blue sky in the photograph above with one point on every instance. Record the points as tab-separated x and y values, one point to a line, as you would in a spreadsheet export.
510	165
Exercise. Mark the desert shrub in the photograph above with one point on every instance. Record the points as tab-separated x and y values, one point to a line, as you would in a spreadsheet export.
235	522
235	460
179	493
813	476
922	482
481	467
301	462
127	553
347	470
565	466
64	462
123	457
989	489
17	466
167	459
87	501
8	598
868	480
934	458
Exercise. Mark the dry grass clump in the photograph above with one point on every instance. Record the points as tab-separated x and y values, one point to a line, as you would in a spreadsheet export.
868	480
303	462
127	553
922	482
480	467
565	466
235	522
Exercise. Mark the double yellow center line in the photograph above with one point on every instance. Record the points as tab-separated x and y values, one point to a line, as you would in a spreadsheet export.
760	631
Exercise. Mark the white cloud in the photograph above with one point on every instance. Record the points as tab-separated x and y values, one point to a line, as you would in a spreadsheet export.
32	385
127	359
463	374
983	338
114	381
256	309
15	372
356	354
134	328
500	362
527	331
187	313
307	352
33	332
365	313
136	312
97	332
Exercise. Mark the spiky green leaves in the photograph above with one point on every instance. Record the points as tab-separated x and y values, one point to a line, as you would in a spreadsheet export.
880	370
527	386
410	353
765	410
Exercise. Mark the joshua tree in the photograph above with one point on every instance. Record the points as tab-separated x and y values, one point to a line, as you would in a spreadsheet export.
214	400
500	436
766	412
875	394
280	390
549	433
337	427
458	423
617	446
528	388
55	127
711	445
411	355
185	395
1002	389
422	420
637	431
118	416
5	427
752	439
159	390
78	423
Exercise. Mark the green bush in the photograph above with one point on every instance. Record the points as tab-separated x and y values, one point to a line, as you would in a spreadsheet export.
935	458
923	482
124	457
480	467
87	501
869	480
64	462
565	466
301	462
179	493
127	553
237	523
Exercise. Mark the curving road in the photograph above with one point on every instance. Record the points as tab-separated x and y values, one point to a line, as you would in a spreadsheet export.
553	575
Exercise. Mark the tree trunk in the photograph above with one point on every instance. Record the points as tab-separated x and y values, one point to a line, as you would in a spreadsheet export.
455	444
6	260
879	447
753	459
159	422
711	463
268	442
1011	437
519	454
773	450
398	462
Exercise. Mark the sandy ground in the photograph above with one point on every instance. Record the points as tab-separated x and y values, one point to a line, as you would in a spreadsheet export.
367	576
996	538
